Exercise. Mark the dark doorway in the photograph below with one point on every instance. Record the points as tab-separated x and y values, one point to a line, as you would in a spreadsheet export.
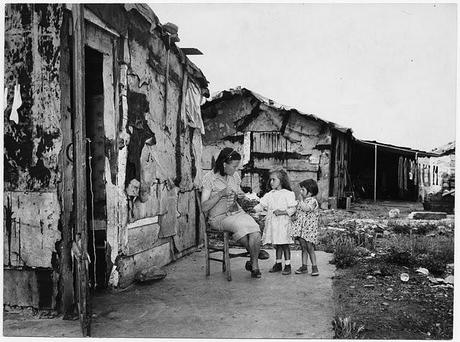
95	175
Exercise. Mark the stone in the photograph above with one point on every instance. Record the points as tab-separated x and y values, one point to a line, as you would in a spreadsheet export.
393	213
422	271
150	274
427	215
449	279
404	277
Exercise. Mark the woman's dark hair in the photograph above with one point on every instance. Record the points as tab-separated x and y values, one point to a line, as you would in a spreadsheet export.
227	155
283	177
310	185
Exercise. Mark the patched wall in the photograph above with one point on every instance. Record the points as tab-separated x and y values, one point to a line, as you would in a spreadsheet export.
267	137
32	144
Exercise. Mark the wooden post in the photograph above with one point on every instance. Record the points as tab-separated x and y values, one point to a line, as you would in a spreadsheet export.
67	184
375	173
79	157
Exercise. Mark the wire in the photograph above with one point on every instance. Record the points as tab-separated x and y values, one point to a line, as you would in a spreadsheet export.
92	211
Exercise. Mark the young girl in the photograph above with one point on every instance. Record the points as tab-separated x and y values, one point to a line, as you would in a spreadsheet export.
305	226
280	205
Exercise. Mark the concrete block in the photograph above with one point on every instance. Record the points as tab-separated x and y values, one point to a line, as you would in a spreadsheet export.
427	215
129	266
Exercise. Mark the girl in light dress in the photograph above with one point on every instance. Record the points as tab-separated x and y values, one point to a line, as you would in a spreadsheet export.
280	204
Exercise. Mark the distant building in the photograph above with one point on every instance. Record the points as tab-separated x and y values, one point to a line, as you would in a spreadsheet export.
268	135
385	172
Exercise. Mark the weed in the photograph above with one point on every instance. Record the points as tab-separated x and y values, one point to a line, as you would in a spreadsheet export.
344	328
432	253
345	252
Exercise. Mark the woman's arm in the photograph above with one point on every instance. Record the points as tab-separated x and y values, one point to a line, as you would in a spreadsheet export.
208	202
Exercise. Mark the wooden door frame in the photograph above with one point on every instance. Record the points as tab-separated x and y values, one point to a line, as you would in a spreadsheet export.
79	156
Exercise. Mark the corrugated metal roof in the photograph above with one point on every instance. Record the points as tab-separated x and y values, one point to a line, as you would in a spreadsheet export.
398	148
239	91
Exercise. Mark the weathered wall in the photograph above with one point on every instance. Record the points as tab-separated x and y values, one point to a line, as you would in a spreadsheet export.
152	134
275	138
32	143
160	156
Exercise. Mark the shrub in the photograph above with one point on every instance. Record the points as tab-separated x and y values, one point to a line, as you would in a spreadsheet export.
327	240
429	252
345	252
344	328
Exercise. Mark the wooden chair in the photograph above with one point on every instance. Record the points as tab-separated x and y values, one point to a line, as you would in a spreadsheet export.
211	248
216	247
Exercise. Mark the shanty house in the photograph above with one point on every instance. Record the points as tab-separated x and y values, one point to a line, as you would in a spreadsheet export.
268	135
382	171
102	143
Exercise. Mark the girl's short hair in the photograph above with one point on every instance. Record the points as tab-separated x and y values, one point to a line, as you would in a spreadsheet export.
283	177
310	185
227	155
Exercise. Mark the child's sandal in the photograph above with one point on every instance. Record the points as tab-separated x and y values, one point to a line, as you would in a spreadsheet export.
302	270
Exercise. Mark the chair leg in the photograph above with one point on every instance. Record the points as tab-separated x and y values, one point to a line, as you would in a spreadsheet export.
206	253
227	256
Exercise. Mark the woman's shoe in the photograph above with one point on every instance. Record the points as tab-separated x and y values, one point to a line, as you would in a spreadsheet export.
256	274
276	268
287	270
302	270
263	255
248	266
314	271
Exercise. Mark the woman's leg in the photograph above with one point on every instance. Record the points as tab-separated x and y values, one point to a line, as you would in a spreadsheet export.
254	240
251	242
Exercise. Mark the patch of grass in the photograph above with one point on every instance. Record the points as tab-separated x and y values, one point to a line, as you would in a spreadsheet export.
345	252
345	328
327	240
431	252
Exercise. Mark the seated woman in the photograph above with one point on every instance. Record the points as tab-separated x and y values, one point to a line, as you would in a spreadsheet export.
221	188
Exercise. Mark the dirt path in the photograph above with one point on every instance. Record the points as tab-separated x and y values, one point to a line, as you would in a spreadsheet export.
186	304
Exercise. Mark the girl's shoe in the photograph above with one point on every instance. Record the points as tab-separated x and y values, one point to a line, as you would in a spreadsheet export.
248	266
314	271
276	268
302	270
256	274
287	270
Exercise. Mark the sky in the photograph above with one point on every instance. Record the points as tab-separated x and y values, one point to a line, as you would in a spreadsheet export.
388	71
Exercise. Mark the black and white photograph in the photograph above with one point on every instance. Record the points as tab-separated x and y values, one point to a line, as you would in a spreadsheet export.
229	170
